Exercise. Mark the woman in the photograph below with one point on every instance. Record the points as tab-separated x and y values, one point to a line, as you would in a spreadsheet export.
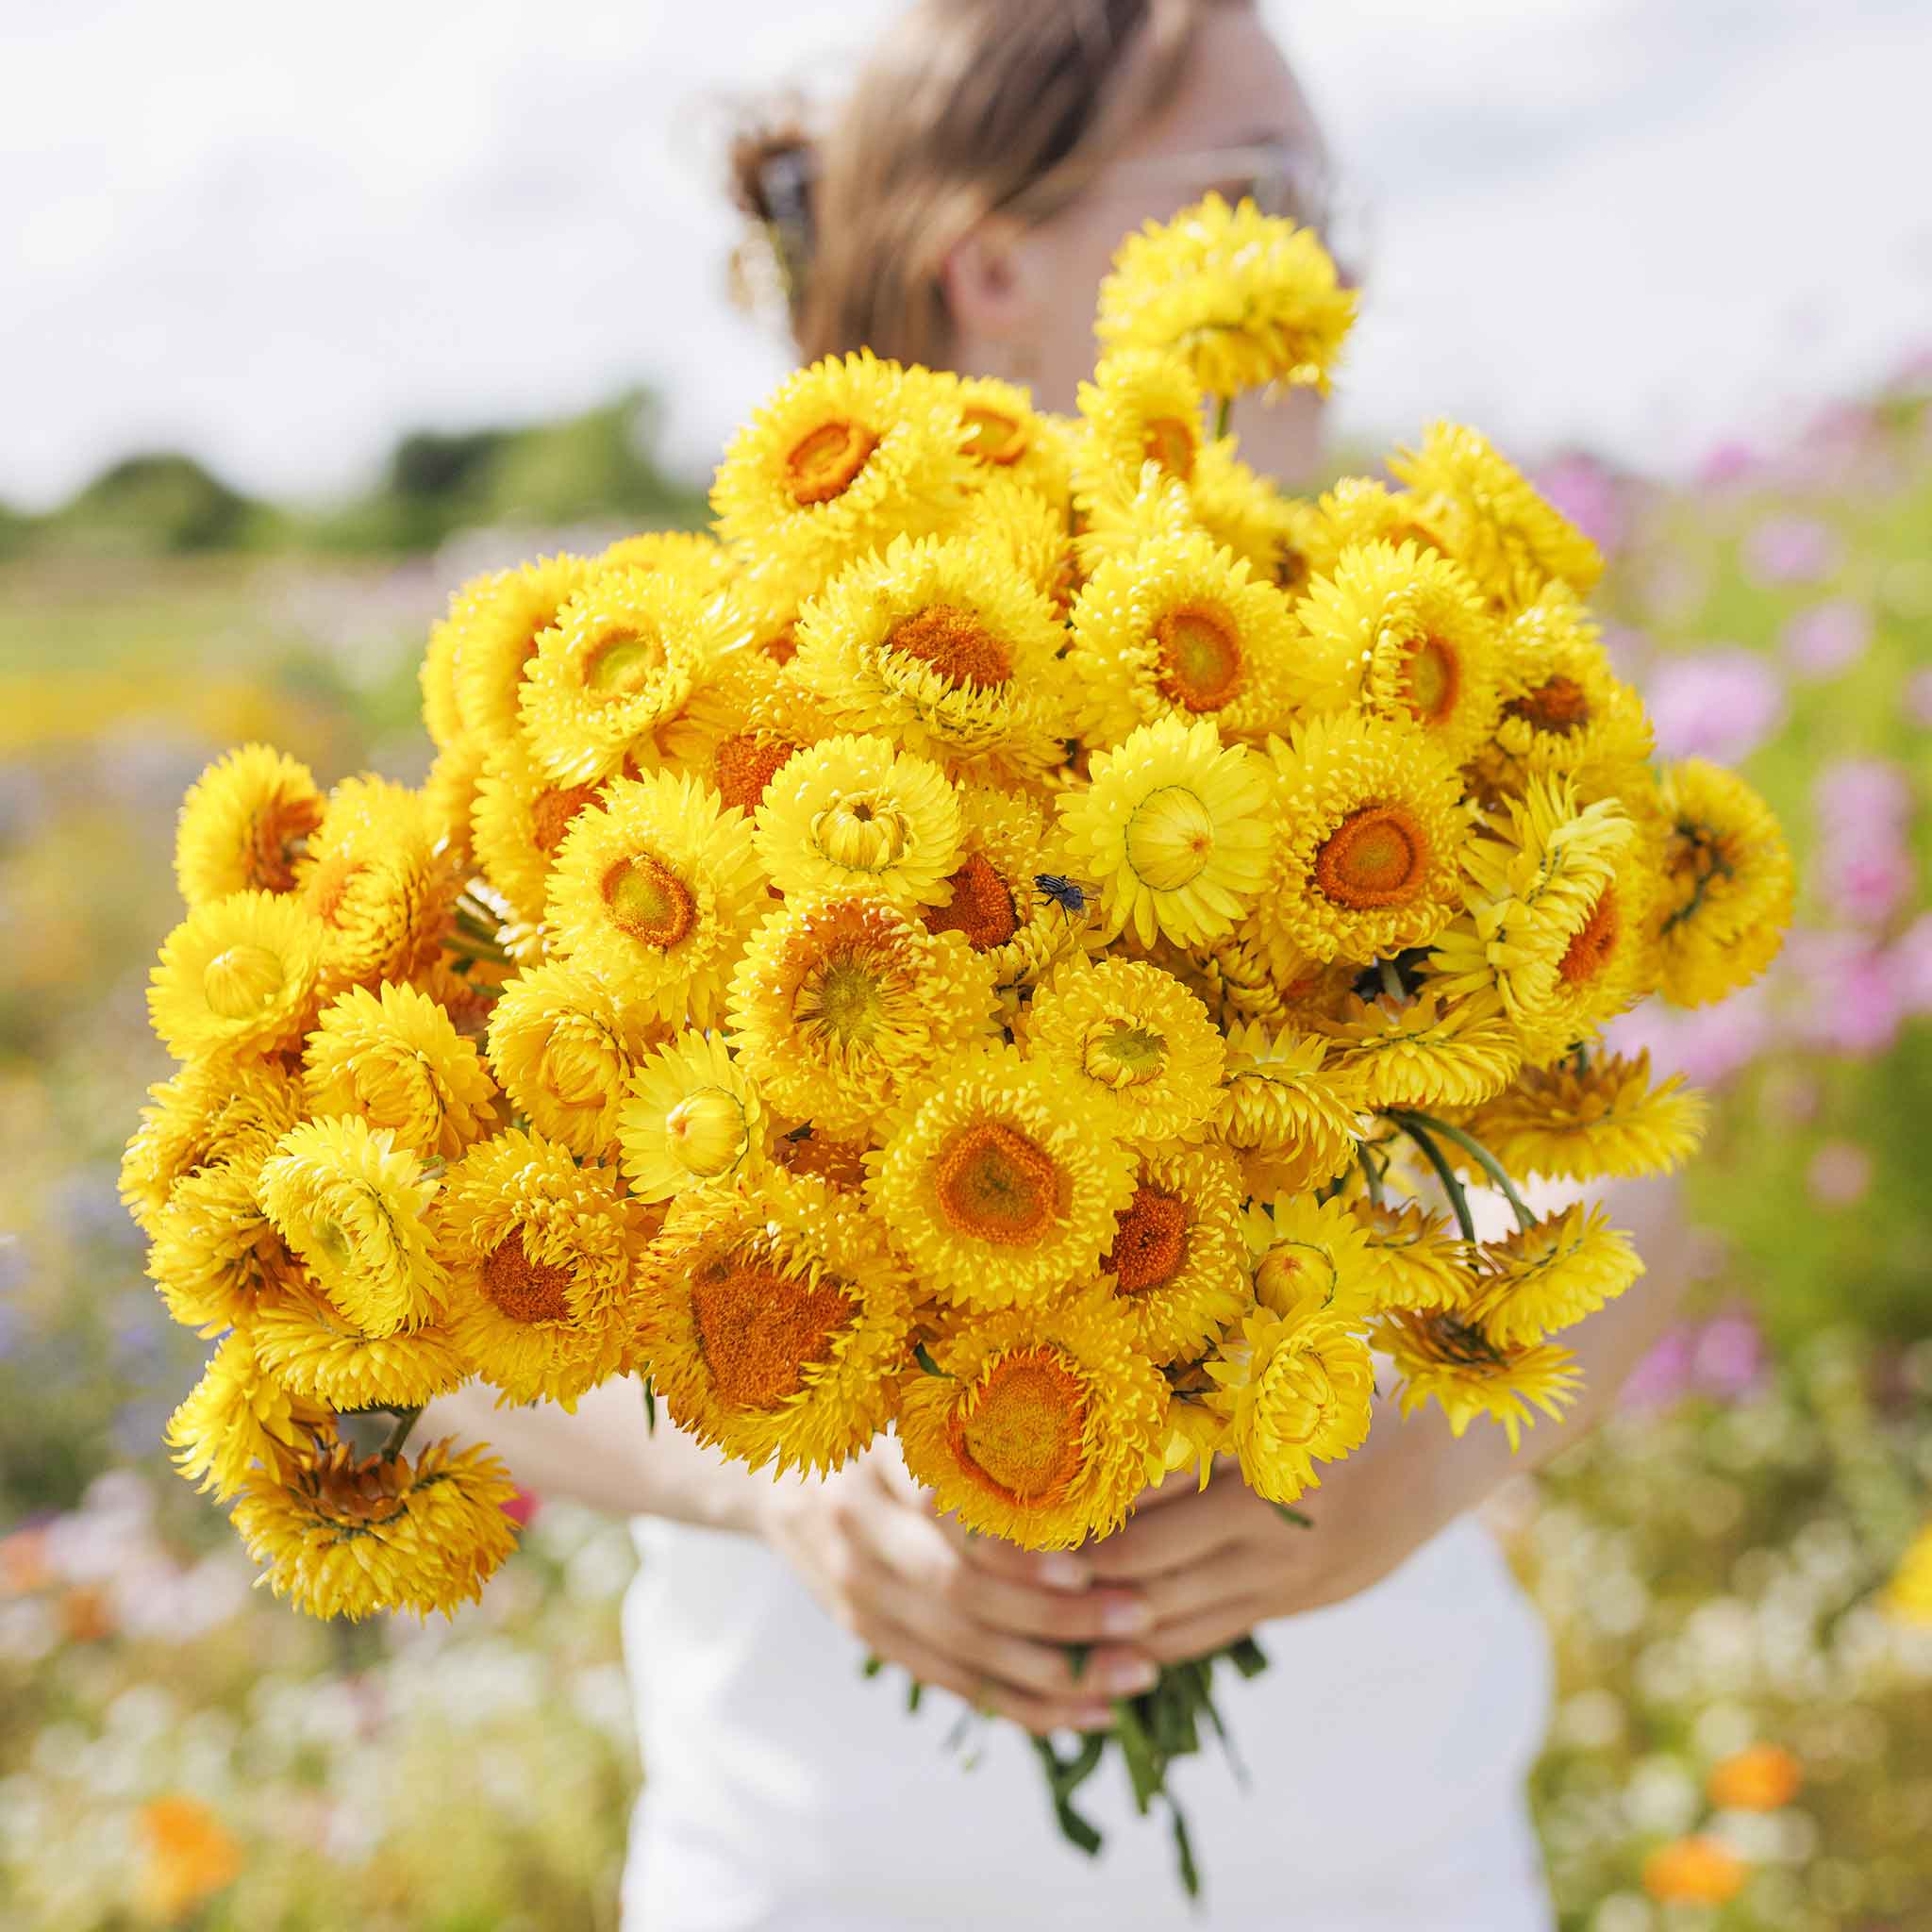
960	212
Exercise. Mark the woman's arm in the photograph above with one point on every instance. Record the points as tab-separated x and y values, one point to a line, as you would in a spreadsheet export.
1213	1564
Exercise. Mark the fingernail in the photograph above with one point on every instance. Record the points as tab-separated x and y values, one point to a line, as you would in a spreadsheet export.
1129	1679
1058	1572
1124	1616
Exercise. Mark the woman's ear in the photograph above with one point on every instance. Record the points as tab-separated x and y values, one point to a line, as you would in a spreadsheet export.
990	276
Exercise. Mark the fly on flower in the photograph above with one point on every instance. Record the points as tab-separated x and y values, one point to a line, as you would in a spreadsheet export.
1070	895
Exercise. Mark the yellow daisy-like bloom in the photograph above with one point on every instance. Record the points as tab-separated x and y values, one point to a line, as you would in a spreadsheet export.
1532	877
1428	1052
478	653
237	1418
694	558
1909	1596
1284	1110
1310	1258
449	792
1509	539
1177	1266
215	1257
1134	1040
539	1267
1361	510
943	649
1119	511
657	888
1294	1389
1276	533
1008	440
1037	535
841	1005
395	1059
1415	1258
1142	407
242	824
692	1119
1174	827
1002	1187
350	1203
617	665
990	898
1443	1358
1403	633
1371	832
378	878
1564	710
1043	1426
236	979
343	1537
1603	1119
564	1043
1727	885
852	814
846	456
306	1342
1545	1276
1248	299
199	1117
519	818
1179	629
774	1323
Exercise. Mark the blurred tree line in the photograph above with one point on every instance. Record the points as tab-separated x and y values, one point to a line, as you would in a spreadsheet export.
600	464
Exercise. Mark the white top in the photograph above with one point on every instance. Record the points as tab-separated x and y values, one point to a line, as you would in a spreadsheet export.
1387	1747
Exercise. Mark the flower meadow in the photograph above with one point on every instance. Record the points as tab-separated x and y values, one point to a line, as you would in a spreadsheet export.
1740	1718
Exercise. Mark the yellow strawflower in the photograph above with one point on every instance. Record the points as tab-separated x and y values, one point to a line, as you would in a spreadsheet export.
345	1538
990	898
1415	1259
238	1418
478	653
449	792
242	824
692	557
1178	1267
1248	299
1275	534
1603	1117
657	886
1545	1276
236	979
1424	1050
1284	1110
1308	1257
691	1118
773	1322
1142	407
1042	1426
351	1204
537	1254
1008	441
215	1255
518	820
852	814
1003	1186
196	1119
394	1059
1443	1358
306	1342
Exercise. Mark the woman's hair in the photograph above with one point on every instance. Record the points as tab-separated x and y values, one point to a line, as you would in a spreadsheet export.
967	107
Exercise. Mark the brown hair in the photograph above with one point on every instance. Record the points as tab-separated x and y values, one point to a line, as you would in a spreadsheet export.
967	108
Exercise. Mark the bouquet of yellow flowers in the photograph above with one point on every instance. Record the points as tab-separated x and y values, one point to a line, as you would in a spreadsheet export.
1020	936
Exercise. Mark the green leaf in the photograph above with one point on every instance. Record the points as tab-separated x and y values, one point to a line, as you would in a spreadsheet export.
923	1356
1144	1771
872	1665
1078	1656
914	1692
1184	1853
1247	1656
650	1408
1292	1515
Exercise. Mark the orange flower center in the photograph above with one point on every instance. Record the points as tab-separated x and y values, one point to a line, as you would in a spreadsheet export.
524	1289
995	437
782	645
328	885
649	901
839	1163
746	765
981	906
1170	442
824	462
955	643
1293	569
1561	706
1021	1431
552	810
271	857
1376	857
1151	1244
997	1185
1200	657
1435	680
622	665
761	1330
1591	950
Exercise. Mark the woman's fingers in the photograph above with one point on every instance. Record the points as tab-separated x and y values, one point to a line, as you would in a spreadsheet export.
1209	1628
1034	1713
1175	1535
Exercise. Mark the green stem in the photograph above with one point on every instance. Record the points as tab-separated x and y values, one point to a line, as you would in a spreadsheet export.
393	1443
1444	1173
1482	1157
1371	1174
1223	409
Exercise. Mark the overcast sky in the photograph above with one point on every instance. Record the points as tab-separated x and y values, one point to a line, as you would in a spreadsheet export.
275	236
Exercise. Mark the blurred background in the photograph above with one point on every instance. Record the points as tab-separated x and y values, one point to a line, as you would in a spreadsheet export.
313	316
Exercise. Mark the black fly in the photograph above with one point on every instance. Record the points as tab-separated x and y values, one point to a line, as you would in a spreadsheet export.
1068	894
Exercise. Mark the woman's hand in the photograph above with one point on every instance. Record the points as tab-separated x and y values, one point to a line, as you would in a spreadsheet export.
971	1614
1212	1564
